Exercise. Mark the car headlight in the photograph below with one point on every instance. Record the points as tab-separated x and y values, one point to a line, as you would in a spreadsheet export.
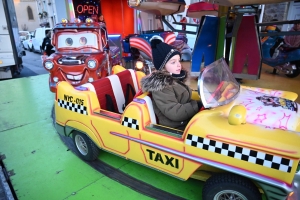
49	65
134	2
139	65
91	64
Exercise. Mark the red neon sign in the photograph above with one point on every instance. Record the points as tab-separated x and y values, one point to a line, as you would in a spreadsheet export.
90	9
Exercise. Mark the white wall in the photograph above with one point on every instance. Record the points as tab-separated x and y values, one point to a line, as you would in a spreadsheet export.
22	15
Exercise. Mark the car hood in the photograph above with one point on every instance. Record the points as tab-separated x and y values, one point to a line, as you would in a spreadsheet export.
270	110
272	123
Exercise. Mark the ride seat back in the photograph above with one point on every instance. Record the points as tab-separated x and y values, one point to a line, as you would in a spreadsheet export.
149	104
102	88
128	80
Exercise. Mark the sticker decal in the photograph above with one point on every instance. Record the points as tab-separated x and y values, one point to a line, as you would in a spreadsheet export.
277	101
72	106
163	159
131	123
241	153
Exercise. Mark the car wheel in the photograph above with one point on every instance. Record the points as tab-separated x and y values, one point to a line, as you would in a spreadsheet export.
85	147
229	187
30	49
296	71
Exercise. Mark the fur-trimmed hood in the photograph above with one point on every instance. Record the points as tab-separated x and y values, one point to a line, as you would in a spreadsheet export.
157	81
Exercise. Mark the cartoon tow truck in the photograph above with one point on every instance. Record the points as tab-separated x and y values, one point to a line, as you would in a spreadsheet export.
243	144
82	53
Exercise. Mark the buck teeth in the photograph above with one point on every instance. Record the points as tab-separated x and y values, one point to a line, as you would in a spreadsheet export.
76	78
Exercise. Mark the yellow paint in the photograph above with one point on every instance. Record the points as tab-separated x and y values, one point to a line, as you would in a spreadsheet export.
237	115
213	124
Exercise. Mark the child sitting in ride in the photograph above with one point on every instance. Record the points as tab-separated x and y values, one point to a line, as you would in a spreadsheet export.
172	101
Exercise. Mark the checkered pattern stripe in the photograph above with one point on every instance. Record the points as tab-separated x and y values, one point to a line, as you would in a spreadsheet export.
241	153
72	106
131	123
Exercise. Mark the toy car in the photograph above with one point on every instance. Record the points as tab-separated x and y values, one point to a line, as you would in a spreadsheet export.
82	53
244	142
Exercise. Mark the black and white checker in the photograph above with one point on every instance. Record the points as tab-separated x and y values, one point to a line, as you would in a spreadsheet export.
241	153
131	123
72	106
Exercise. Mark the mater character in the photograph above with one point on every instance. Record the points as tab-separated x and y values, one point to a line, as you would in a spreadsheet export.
82	53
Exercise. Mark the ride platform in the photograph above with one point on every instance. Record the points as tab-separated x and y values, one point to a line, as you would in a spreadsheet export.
39	164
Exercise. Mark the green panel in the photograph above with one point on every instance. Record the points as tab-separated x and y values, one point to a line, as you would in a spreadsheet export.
232	50
190	189
44	167
221	38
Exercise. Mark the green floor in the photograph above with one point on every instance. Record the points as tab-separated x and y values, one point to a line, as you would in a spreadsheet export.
42	164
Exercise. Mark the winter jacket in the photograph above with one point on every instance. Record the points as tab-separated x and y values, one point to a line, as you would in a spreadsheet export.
171	99
47	46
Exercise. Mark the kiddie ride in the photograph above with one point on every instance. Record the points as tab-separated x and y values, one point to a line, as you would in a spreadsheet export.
150	14
82	53
244	142
287	59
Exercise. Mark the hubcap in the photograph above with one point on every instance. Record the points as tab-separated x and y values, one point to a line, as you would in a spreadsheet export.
229	195
81	145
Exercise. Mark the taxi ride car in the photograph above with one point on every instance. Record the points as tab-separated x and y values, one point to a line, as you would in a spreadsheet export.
244	143
82	53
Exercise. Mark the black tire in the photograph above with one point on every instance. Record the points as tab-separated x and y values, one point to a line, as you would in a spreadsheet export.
229	186
296	71
85	147
30	49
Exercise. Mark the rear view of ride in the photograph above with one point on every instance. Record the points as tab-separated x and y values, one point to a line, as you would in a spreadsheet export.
281	55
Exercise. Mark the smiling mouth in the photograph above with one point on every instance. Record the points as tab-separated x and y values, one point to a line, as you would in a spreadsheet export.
74	79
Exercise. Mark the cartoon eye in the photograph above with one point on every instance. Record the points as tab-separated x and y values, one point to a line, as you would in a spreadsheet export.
83	40
69	41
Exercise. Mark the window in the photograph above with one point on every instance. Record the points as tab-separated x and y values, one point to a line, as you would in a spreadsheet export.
30	14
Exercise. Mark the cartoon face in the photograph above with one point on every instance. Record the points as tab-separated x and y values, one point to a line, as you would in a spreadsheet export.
277	101
78	40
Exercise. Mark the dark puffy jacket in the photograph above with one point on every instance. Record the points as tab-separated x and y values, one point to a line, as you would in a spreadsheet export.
171	99
47	46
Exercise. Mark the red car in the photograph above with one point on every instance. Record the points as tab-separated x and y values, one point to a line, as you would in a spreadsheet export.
82	53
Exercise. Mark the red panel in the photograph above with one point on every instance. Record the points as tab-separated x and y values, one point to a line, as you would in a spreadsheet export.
247	49
119	17
126	78
202	6
103	87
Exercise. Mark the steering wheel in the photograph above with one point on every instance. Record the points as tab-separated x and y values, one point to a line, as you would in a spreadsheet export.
212	96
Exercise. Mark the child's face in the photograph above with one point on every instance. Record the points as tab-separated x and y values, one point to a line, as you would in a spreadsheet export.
173	65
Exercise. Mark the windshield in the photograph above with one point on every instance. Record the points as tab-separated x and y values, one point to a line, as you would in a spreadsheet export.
149	22
216	85
83	41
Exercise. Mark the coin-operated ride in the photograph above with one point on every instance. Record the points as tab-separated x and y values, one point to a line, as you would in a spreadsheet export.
82	53
281	57
244	142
